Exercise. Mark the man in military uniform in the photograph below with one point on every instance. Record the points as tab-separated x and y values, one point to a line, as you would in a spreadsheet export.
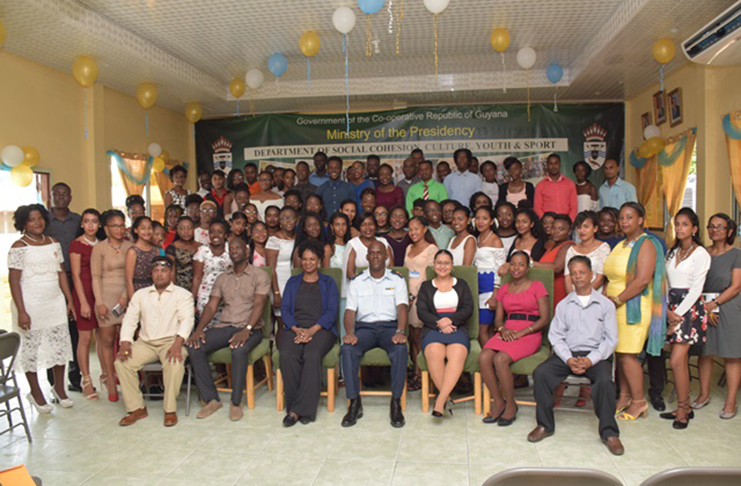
375	316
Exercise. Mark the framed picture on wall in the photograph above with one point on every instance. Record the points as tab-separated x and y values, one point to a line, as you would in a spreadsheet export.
674	100
659	107
645	120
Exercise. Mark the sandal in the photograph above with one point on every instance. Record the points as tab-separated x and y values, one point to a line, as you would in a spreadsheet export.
618	410
88	382
642	413
414	382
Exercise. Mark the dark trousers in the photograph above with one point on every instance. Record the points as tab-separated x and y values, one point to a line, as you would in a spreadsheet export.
217	338
374	335
301	367
73	368
553	371
656	374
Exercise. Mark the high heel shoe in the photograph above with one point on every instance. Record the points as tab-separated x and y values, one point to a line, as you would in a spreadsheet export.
104	384
43	409
683	405
88	382
503	422
618	410
490	419
642	412
63	402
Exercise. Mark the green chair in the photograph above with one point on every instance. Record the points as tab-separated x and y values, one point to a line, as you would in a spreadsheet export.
470	275
261	351
526	366
331	360
379	357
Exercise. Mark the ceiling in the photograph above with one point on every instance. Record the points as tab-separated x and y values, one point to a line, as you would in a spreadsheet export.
192	48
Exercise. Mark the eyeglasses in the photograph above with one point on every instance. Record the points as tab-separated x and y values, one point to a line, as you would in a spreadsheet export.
287	218
116	226
208	210
712	227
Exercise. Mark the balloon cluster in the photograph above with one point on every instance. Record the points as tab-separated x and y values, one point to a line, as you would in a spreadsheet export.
21	160
654	144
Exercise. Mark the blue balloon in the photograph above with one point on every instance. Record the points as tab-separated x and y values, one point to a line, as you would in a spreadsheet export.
371	7
554	72
277	64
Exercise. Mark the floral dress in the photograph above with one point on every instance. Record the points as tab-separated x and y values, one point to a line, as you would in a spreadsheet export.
213	266
143	267
183	265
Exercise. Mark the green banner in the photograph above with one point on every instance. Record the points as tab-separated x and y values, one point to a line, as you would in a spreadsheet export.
591	132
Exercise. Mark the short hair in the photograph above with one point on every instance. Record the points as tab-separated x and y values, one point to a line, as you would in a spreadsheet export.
313	246
219	173
349	201
520	253
581	162
581	259
294	192
586	216
319	153
730	239
204	173
360	219
554	154
285	171
250	165
223	224
510	161
193	199
417	151
335	159
242	187
23	213
419	203
134	199
302	162
161	260
176	169
562	217
488	162
468	153
549	214
387	166
374	157
425	161
61	184
366	191
174	207
442	162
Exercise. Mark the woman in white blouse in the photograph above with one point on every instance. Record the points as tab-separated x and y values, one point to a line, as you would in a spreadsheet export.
687	265
357	248
587	225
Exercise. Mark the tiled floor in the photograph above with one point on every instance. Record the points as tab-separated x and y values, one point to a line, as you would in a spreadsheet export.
84	445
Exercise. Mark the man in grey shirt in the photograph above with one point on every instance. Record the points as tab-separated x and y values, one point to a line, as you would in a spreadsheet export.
584	336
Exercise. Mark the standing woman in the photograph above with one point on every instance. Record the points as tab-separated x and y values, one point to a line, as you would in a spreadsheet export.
587	223
530	235
723	304
315	204
310	227
387	194
257	244
444	305
108	269
218	193
479	199
357	248
367	200
182	251
135	209
233	180
250	210
272	220
266	197
140	256
490	255
172	214
382	220
516	190
506	224
463	244
279	249
587	198
398	237
687	265
555	258
41	304
350	208
209	262
238	226
547	221
178	193
208	212
80	250
608	227
634	271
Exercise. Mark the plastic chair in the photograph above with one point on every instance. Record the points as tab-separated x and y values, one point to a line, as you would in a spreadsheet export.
530	476
260	352
470	275
526	366
331	360
692	476
10	342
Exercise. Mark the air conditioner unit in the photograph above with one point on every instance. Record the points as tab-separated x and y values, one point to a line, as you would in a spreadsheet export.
716	43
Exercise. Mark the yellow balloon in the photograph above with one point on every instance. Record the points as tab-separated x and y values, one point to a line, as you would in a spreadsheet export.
165	155
655	145
21	175
500	39
644	151
2	34
31	156
236	87
663	50
146	95
309	43
193	112
158	165
85	71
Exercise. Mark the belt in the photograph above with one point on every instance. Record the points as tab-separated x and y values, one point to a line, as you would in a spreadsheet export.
522	317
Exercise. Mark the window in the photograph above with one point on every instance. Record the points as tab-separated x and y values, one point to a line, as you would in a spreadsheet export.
152	198
690	191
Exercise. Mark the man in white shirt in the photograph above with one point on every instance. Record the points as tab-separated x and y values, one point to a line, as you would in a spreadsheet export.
166	314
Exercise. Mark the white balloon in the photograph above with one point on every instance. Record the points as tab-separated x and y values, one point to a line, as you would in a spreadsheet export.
651	131
343	19
436	6
154	149
12	156
526	57
254	78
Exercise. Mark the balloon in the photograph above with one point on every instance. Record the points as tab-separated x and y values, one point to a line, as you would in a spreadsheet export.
31	156
193	112
158	165
21	175
309	43
499	39
254	78
436	6
651	131
663	50
371	7
165	155
644	151
343	20
2	35
85	71
146	95
554	72
277	64
154	149
236	87
655	145
526	57
12	156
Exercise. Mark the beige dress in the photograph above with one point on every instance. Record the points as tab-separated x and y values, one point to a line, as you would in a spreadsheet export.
107	266
417	266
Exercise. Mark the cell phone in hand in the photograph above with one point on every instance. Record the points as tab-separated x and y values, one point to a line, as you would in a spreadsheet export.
118	310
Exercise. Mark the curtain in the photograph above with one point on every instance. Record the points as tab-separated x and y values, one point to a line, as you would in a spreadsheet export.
731	124
134	169
647	178
163	179
674	164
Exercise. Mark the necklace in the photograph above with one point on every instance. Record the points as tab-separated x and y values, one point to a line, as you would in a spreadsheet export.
114	248
91	243
582	184
683	254
43	238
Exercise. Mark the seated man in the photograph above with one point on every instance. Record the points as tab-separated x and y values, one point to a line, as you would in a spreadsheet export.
165	312
584	336
243	289
375	316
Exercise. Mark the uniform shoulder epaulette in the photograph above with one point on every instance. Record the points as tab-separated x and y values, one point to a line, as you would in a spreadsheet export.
358	275
396	272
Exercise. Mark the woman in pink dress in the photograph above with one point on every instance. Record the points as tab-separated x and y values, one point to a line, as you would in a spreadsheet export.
387	194
522	313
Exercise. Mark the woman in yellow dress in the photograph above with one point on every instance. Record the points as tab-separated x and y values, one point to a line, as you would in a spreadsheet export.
635	270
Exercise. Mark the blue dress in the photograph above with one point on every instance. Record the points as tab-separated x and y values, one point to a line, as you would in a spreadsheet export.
445	305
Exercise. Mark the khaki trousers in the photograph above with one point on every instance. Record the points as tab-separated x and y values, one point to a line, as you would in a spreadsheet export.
143	353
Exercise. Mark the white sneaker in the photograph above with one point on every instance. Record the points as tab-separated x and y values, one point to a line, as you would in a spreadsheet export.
42	409
66	403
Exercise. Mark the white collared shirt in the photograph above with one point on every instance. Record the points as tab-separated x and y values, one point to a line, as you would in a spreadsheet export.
375	300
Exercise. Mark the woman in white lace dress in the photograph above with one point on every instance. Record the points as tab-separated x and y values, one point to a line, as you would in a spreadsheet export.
41	303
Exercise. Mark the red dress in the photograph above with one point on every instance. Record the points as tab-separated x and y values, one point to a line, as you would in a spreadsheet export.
84	251
390	199
559	280
524	302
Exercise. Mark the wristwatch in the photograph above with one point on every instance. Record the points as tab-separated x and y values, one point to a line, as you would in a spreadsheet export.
399	331
249	327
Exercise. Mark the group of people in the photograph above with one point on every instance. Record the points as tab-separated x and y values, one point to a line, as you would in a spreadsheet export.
194	285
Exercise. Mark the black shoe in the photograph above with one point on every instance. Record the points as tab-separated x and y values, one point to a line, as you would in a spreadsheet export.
397	418
503	422
681	425
74	387
437	414
673	415
354	412
492	420
289	420
305	420
658	403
